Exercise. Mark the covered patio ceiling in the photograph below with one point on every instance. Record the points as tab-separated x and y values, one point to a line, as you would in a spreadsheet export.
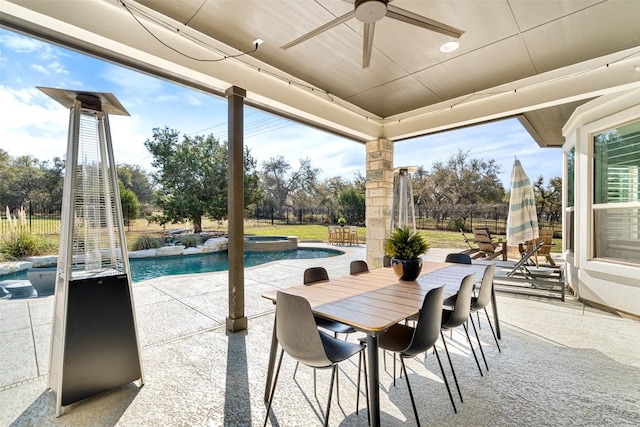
535	60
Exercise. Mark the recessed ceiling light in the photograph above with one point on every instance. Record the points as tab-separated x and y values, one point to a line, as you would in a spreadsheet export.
449	47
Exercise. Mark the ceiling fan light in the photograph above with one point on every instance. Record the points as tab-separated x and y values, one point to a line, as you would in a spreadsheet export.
449	47
369	11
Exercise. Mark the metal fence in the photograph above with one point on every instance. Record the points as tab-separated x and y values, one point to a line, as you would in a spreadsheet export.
46	220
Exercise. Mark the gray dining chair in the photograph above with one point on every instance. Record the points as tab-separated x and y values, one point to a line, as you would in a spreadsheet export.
451	258
358	267
458	258
299	337
312	276
480	303
457	317
410	341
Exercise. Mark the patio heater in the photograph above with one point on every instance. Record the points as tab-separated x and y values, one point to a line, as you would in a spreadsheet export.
94	340
404	214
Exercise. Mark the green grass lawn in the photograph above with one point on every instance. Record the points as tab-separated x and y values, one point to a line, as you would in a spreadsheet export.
435	238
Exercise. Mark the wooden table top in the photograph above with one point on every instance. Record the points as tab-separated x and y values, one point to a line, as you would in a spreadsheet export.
372	302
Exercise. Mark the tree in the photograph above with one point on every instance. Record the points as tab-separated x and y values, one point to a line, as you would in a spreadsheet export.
326	196
26	181
5	184
53	183
130	204
136	179
549	198
461	180
352	205
360	183
193	174
422	196
284	185
23	178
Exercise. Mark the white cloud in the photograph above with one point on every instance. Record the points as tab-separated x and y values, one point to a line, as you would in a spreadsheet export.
32	124
57	67
21	44
39	68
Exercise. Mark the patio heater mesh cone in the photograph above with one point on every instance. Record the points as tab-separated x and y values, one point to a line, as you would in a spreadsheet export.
94	340
403	211
404	214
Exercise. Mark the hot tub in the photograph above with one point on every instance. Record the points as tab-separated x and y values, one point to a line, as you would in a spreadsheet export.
270	243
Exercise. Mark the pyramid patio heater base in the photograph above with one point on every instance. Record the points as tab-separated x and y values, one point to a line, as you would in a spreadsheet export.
94	340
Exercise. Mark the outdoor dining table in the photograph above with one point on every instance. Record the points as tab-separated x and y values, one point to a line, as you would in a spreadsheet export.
373	302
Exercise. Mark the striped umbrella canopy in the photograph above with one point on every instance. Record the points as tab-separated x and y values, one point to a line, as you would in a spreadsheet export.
522	222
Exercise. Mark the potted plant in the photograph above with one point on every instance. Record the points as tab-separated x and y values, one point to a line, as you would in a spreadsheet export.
405	247
342	221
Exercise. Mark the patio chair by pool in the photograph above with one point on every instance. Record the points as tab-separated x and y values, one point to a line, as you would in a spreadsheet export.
332	237
352	237
300	338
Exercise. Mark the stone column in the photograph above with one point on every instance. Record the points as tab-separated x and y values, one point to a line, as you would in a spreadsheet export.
236	321
379	198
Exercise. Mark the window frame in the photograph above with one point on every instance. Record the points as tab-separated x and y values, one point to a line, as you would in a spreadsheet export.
600	127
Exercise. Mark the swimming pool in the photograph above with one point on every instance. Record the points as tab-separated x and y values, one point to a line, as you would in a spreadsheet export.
149	268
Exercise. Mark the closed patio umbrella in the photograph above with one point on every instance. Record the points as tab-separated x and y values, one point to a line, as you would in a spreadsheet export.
522	222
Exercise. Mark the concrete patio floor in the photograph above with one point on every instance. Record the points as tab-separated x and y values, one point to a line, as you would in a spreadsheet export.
561	364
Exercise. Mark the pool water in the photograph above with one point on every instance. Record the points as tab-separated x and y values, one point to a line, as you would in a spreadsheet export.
149	268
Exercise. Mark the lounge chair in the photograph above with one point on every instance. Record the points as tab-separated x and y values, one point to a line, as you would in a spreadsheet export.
487	247
468	241
521	277
545	236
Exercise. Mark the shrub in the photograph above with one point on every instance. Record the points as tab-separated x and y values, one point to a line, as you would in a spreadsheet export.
455	223
147	242
20	243
189	240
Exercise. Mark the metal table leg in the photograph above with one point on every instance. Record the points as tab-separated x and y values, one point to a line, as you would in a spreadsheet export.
374	389
272	362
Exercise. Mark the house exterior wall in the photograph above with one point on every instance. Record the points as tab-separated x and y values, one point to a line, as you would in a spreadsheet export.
608	284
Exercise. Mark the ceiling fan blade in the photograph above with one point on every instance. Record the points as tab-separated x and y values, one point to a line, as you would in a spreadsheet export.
367	44
423	22
339	20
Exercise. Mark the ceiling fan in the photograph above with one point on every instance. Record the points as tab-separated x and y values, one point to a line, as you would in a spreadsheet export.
371	11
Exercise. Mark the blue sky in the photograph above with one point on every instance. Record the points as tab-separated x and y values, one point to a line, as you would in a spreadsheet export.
32	123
